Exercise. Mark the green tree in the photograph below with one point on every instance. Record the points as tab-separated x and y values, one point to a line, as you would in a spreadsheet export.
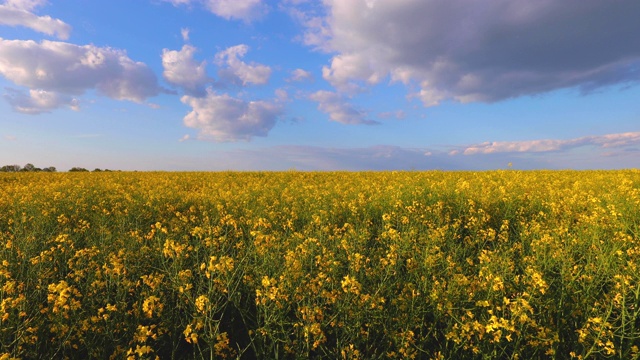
10	168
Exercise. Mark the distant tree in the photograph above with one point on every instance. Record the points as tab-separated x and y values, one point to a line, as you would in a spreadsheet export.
28	168
10	168
49	169
97	170
77	169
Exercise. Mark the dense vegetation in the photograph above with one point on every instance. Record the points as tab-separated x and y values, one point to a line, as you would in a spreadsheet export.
474	265
32	168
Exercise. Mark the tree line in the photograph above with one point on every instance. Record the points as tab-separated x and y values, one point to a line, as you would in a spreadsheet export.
32	168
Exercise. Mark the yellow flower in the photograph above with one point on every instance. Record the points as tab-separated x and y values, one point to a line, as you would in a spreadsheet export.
201	303
350	285
151	304
189	335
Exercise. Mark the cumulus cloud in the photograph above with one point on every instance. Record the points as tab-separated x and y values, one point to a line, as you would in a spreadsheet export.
223	118
620	140
180	69
68	69
239	72
246	10
38	101
338	109
298	75
18	13
465	50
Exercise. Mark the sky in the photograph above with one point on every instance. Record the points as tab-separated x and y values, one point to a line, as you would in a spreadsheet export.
215	85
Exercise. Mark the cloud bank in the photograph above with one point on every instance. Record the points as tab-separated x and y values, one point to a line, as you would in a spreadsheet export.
467	51
609	141
493	155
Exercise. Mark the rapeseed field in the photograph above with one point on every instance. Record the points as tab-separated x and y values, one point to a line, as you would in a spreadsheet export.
332	265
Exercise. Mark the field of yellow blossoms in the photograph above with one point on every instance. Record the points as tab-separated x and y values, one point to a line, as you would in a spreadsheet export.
333	265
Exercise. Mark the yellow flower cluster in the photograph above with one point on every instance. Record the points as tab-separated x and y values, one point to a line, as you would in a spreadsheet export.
406	265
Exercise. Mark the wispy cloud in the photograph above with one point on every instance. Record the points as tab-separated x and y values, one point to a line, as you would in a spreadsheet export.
339	109
298	75
185	33
535	146
398	114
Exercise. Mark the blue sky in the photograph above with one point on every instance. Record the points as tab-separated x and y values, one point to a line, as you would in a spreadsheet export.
320	85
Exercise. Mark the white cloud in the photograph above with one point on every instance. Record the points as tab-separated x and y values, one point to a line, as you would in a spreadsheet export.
616	140
300	75
185	33
17	13
185	138
465	50
10	138
181	70
246	10
68	69
179	2
515	146
339	109
38	101
224	118
25	4
238	71
346	67
620	140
